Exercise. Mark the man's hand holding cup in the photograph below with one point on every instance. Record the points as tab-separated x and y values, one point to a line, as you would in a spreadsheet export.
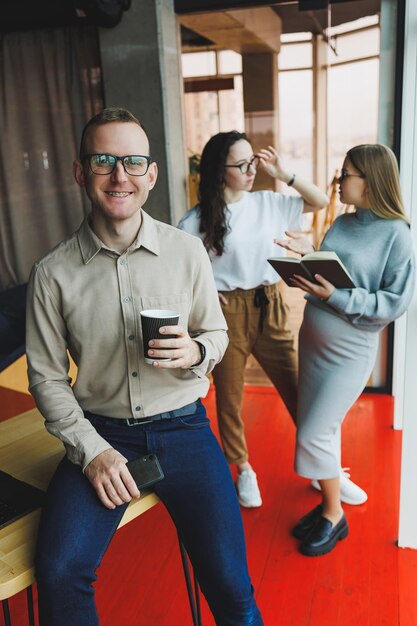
166	344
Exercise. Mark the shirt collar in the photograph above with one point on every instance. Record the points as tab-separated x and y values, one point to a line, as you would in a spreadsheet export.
90	244
148	235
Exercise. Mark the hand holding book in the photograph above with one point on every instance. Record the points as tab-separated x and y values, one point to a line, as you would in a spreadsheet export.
321	288
325	264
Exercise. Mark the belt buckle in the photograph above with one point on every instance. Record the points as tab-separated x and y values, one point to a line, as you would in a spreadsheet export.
133	421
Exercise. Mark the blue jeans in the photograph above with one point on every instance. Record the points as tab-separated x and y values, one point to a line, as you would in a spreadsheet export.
199	494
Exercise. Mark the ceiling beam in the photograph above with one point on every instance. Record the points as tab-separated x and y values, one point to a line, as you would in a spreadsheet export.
245	31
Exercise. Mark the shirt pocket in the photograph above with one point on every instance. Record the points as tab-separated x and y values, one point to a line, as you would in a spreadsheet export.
176	302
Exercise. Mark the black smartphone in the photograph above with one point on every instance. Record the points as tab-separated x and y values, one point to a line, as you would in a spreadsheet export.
145	471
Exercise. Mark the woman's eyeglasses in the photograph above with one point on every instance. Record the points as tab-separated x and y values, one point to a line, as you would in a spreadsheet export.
345	174
246	165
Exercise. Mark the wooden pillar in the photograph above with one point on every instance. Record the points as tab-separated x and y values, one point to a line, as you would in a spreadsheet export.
320	98
260	99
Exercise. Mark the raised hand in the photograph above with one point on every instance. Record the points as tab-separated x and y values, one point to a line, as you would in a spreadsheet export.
296	242
270	161
314	198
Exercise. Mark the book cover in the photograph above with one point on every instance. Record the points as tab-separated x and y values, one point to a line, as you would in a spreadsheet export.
327	264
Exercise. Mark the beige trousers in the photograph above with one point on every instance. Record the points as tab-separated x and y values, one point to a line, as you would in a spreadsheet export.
273	348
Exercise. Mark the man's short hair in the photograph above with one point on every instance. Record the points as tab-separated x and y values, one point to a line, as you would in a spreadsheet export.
110	114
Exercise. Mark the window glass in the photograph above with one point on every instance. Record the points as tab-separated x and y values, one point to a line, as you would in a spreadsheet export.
231	107
292	56
202	115
355	45
353	109
229	62
348	27
288	37
198	64
296	122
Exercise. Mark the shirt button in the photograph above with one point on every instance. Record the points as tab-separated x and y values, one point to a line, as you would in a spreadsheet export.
134	374
137	408
131	337
123	261
127	299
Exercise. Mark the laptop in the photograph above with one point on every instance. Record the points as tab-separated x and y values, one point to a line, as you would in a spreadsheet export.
17	499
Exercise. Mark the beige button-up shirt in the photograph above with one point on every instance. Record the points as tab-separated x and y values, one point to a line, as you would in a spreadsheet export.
85	299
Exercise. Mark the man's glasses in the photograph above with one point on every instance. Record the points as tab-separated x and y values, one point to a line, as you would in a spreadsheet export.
133	164
345	174
244	167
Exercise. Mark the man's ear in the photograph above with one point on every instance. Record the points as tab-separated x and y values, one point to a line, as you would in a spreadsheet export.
78	172
152	174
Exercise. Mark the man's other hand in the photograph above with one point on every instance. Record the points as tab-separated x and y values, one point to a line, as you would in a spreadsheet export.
182	350
111	479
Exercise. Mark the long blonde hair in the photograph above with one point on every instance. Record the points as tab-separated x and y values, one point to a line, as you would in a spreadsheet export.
378	164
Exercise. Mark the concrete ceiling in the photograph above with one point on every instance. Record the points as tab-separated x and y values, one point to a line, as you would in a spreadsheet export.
253	27
247	31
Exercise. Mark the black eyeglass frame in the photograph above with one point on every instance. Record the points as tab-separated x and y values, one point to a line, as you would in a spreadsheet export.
248	164
344	174
149	160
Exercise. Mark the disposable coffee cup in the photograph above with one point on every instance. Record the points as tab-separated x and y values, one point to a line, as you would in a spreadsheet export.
152	320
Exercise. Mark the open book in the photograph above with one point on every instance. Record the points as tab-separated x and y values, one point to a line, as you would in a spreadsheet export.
327	264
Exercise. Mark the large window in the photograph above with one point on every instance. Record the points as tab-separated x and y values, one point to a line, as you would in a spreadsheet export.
213	95
214	100
296	103
353	76
353	82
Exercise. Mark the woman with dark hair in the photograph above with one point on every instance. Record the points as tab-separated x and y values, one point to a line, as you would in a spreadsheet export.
340	330
237	228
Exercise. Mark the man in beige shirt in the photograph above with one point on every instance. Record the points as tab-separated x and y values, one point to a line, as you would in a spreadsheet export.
85	298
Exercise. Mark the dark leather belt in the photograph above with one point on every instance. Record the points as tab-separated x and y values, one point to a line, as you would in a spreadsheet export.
188	409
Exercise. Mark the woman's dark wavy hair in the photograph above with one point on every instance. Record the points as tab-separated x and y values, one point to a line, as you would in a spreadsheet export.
213	222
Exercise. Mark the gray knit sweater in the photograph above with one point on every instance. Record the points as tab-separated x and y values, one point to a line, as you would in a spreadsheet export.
379	256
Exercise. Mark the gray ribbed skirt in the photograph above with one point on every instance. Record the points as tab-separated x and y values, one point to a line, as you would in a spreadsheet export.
336	360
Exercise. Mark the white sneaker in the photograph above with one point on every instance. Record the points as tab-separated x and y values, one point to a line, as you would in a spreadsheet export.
247	489
350	493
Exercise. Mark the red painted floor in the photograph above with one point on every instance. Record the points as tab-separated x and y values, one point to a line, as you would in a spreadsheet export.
365	581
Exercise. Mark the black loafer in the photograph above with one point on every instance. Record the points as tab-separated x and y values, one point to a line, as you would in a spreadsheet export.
306	523
323	537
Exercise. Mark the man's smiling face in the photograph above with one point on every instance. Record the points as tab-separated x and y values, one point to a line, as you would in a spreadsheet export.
116	196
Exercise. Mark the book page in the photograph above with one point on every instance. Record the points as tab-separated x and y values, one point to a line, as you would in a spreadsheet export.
284	259
326	254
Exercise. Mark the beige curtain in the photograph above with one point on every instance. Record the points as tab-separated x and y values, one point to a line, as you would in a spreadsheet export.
50	84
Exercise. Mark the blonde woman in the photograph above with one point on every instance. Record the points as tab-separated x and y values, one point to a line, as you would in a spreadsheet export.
339	335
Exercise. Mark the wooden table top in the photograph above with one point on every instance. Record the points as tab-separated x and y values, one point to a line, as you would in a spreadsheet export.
31	454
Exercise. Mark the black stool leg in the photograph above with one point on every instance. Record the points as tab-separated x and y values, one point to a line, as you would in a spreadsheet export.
197	599
6	613
31	615
193	595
